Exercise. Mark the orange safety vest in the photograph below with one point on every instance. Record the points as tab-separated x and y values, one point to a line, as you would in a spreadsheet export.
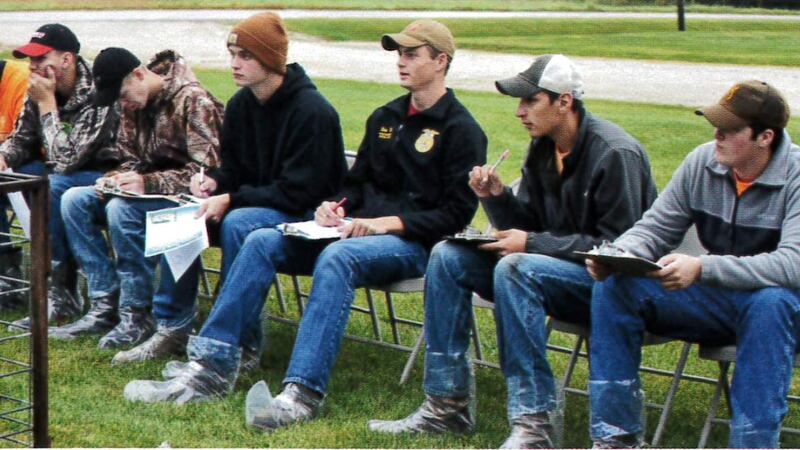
13	87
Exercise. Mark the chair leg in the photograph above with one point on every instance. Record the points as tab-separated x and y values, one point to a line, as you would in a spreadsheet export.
412	358
712	411
573	360
279	294
299	294
673	390
204	278
373	317
392	317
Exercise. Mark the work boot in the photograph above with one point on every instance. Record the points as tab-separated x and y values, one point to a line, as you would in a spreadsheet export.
12	293
63	302
296	403
530	431
249	362
135	326
435	415
195	383
165	341
622	441
101	317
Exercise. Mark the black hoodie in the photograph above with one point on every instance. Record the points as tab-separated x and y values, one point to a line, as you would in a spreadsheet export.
286	154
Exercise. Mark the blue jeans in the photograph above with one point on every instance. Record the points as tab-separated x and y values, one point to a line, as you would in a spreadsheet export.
59	184
762	323
170	298
132	275
526	289
338	269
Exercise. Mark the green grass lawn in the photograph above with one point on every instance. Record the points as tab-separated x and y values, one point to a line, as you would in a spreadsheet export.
86	404
706	41
464	5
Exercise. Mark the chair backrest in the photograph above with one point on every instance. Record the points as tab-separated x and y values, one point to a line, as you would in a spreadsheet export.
691	244
350	157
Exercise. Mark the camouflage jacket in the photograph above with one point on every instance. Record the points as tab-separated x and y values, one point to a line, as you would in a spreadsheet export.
79	137
176	133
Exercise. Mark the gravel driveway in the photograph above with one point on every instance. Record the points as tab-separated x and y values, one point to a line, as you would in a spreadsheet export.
200	36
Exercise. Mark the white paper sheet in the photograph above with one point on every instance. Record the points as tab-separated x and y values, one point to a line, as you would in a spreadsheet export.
177	234
21	209
309	230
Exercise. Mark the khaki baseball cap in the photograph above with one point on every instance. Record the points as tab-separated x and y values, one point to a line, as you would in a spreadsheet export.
419	33
747	103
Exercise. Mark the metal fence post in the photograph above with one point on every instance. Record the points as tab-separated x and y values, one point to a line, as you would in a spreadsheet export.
40	266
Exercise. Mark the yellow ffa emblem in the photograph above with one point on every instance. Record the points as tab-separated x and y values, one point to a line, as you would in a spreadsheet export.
233	38
731	93
425	141
385	133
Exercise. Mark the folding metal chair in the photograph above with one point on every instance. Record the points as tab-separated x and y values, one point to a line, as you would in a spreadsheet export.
725	356
582	334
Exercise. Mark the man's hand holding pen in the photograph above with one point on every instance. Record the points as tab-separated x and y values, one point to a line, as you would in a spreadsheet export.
330	214
202	185
484	180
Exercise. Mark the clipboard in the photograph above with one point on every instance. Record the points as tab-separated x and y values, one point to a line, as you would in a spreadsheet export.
471	238
624	264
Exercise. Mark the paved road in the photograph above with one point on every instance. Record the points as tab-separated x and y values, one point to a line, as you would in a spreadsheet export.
200	35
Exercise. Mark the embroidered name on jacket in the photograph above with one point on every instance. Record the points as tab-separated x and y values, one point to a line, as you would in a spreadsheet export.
385	133
426	140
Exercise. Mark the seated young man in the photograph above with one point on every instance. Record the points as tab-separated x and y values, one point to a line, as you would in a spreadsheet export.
584	180
60	126
742	192
407	189
169	129
265	178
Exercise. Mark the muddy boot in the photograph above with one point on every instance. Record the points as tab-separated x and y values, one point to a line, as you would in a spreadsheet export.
435	415
63	302
530	431
165	341
12	294
249	362
195	383
101	317
623	441
296	403
135	326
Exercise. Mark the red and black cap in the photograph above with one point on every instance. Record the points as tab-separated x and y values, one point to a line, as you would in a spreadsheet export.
47	38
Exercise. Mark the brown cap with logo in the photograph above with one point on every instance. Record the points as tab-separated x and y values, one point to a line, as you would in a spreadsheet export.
747	103
264	36
419	33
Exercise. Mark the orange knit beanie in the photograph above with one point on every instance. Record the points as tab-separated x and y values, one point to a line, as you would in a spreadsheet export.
264	36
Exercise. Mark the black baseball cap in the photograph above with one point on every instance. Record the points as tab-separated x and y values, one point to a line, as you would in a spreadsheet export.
110	67
47	38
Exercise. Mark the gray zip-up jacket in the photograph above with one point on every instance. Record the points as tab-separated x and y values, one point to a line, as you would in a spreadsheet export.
753	240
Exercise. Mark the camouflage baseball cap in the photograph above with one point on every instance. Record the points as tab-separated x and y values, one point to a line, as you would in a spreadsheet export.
747	103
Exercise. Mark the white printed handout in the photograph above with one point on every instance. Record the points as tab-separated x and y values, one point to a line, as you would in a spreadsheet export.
309	230
21	209
178	234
